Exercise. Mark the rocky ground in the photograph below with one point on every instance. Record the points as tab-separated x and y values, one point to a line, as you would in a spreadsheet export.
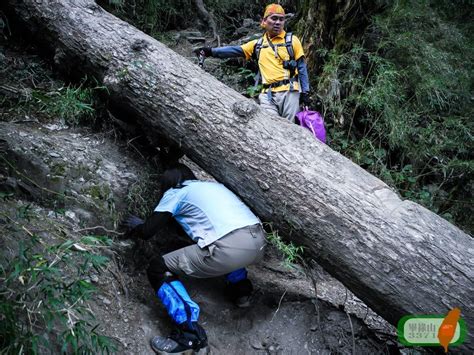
60	183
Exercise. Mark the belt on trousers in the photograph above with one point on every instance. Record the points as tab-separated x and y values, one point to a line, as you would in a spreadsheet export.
280	83
277	84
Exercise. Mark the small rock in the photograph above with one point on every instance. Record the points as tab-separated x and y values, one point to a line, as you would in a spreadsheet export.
332	316
146	329
94	278
54	155
71	215
125	244
82	215
106	301
55	127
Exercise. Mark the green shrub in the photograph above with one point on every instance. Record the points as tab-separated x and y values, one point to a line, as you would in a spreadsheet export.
403	109
43	298
290	252
142	195
156	16
71	104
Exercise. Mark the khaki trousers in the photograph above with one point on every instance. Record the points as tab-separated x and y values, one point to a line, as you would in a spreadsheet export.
284	103
235	250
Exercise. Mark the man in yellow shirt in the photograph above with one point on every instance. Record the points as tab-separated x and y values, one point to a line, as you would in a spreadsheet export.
284	76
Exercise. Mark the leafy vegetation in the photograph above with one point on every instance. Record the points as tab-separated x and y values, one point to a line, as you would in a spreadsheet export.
30	92
43	297
72	104
248	76
143	196
156	16
290	252
403	109
153	16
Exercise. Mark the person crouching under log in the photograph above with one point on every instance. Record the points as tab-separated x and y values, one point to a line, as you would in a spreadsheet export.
227	235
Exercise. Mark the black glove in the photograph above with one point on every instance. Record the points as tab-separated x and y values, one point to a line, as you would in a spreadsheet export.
318	104
304	99
131	222
207	51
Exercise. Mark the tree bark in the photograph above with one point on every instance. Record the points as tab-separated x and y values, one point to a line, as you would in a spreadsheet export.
395	255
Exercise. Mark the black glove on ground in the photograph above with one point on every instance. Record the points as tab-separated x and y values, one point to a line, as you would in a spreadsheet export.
206	50
132	221
304	99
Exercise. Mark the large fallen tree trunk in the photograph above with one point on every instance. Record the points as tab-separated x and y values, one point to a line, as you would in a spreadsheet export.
397	256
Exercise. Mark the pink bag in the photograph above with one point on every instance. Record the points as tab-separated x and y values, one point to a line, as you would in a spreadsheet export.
313	121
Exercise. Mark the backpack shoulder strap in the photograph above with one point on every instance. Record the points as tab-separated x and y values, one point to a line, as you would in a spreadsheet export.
257	48
256	57
289	45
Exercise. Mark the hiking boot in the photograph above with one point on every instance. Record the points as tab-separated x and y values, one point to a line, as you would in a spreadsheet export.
162	345
180	340
240	292
242	302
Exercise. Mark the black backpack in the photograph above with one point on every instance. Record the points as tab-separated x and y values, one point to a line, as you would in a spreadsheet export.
288	44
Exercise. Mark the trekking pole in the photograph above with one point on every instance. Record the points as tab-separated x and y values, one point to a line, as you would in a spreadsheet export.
201	57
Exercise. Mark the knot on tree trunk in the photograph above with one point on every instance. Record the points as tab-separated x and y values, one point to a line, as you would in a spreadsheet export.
245	110
139	44
92	7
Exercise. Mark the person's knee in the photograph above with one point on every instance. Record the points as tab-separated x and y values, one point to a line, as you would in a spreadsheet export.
271	109
267	105
158	273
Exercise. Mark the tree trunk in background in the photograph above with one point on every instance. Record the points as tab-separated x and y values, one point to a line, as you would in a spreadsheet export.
332	24
395	255
208	18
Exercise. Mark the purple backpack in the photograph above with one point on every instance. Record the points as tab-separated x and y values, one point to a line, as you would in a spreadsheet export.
313	121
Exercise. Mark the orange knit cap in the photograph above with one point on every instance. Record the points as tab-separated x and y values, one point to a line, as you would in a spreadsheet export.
273	9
